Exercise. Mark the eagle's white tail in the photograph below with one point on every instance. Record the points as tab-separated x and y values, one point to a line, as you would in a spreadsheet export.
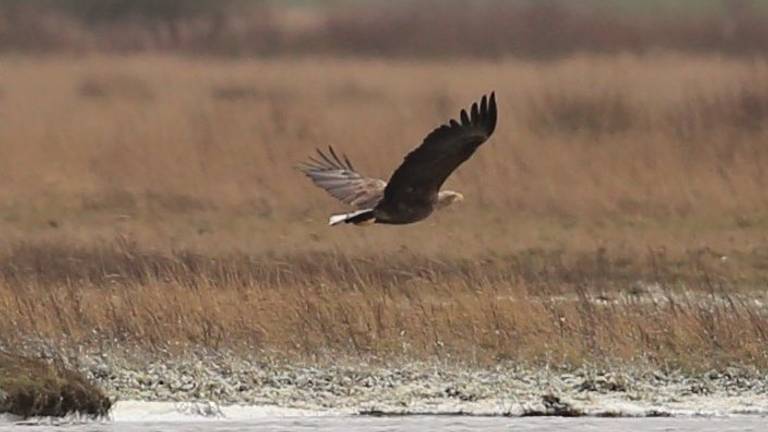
354	217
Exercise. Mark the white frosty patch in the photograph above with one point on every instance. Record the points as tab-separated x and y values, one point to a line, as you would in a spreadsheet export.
138	411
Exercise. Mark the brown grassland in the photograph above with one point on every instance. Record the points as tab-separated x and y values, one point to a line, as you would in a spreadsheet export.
618	214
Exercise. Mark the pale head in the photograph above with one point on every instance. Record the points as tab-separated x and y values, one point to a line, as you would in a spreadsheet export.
447	197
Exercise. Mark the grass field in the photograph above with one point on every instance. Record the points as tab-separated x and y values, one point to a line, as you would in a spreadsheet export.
619	212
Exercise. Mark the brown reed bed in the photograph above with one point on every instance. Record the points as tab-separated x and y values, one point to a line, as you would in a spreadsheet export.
590	152
533	307
595	227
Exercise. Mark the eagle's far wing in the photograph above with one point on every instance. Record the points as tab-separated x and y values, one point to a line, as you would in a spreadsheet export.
426	168
338	178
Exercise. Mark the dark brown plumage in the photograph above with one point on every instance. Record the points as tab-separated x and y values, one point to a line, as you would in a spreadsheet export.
413	191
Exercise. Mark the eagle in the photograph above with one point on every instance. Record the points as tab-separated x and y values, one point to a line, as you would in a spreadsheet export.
413	191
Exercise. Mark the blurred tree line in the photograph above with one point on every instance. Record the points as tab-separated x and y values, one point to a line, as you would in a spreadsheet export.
44	25
93	11
414	28
167	13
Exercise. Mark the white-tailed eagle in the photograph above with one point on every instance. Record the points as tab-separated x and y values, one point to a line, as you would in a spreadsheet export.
413	192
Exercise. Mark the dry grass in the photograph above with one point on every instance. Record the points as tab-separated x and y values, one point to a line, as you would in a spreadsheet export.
604	171
530	307
33	388
590	151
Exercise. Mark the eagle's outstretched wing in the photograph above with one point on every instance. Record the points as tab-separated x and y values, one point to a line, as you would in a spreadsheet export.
339	178
425	169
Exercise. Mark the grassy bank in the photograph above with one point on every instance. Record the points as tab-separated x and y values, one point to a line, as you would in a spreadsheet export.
532	307
30	387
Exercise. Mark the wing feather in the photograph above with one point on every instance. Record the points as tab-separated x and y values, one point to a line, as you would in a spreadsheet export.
338	177
425	169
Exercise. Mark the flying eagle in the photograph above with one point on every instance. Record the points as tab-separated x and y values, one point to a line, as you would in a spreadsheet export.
413	192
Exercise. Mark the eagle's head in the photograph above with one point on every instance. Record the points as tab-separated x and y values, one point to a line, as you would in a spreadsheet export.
447	197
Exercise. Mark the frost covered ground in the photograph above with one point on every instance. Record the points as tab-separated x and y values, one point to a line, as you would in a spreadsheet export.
221	392
209	384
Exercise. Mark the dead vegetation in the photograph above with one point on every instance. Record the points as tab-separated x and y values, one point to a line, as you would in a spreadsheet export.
596	114
594	228
590	151
33	388
531	307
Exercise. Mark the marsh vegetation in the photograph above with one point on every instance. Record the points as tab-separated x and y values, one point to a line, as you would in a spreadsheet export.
32	387
619	214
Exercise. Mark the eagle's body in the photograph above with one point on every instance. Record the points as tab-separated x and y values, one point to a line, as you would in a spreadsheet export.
411	207
413	191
